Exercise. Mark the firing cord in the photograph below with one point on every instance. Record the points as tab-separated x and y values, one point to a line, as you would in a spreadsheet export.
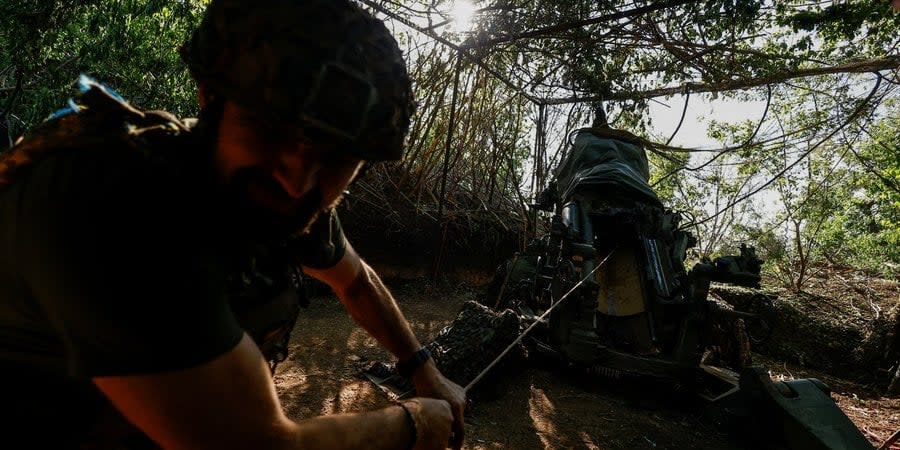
536	322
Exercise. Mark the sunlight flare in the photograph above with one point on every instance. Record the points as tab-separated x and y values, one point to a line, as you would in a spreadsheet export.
462	13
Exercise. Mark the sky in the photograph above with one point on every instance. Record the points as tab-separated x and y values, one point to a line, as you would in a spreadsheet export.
700	110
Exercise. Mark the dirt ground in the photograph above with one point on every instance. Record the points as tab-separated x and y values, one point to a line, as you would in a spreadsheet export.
536	406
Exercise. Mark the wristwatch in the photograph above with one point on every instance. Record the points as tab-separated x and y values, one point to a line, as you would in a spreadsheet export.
407	367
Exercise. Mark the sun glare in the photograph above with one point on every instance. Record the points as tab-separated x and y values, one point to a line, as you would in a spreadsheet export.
462	12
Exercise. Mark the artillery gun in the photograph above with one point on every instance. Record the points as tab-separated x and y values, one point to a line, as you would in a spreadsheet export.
612	269
606	290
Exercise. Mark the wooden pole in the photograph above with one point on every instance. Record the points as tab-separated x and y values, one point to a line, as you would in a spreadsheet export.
451	127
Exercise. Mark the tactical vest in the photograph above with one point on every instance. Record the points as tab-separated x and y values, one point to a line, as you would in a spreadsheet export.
264	286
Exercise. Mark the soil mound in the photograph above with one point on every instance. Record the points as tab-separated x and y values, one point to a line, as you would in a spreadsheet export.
840	326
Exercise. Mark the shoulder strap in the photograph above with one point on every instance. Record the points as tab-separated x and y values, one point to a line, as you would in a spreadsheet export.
96	118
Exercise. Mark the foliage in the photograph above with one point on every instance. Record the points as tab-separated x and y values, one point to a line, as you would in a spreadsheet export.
813	181
130	44
864	230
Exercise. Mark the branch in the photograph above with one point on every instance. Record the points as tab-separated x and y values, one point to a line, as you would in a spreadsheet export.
746	143
869	65
728	47
37	80
556	29
477	61
687	97
15	94
781	173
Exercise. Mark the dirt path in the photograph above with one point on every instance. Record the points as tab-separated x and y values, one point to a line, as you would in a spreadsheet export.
534	407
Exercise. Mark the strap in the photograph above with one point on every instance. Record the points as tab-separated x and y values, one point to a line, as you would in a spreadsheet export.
406	368
414	432
97	117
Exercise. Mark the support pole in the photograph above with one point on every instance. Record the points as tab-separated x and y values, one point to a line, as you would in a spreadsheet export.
451	128
537	165
537	145
542	146
890	441
7	137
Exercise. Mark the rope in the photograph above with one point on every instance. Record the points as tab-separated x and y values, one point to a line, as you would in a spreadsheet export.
536	322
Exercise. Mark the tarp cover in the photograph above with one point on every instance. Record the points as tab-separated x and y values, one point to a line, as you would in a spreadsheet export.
609	161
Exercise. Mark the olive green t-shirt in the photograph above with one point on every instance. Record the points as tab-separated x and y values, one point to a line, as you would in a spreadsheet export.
109	265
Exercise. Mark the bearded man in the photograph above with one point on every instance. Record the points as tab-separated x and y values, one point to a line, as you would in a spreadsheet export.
136	250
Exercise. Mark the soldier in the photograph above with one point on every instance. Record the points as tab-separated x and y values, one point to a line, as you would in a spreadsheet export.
121	230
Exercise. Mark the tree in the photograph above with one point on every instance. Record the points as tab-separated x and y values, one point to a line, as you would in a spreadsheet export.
519	55
132	45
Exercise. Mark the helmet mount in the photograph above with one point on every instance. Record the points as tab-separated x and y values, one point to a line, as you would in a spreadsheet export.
357	97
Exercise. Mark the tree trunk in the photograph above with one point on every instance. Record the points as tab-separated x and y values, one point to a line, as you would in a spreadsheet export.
893	354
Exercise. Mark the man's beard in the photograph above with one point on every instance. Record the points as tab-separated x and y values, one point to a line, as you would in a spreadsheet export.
263	210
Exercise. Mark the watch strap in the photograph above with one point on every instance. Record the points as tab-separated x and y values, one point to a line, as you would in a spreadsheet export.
407	367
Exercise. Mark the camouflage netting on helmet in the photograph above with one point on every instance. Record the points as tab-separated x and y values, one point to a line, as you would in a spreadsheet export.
327	66
462	349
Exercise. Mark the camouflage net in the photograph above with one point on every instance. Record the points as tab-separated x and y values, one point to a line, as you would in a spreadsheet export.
461	350
475	338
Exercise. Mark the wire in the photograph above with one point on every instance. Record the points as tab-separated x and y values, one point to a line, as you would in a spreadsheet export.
536	322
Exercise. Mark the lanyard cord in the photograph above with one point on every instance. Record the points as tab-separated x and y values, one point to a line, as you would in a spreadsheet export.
537	321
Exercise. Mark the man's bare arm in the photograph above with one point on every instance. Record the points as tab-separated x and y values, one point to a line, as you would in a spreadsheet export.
369	302
230	402
372	306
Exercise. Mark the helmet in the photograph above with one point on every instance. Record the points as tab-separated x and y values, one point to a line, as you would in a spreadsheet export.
325	66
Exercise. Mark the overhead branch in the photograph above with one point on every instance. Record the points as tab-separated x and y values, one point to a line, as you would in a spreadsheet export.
559	28
474	59
859	109
869	65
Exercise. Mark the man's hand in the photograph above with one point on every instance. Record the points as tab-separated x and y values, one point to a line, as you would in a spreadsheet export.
431	383
433	420
373	307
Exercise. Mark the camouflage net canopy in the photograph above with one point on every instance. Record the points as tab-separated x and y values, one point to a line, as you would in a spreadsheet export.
461	350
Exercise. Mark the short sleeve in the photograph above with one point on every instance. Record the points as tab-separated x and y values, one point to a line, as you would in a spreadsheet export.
120	258
323	245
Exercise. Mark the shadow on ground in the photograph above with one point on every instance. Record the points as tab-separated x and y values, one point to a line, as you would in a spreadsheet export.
526	407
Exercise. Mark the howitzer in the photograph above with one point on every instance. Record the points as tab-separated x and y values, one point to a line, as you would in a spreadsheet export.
643	313
605	289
